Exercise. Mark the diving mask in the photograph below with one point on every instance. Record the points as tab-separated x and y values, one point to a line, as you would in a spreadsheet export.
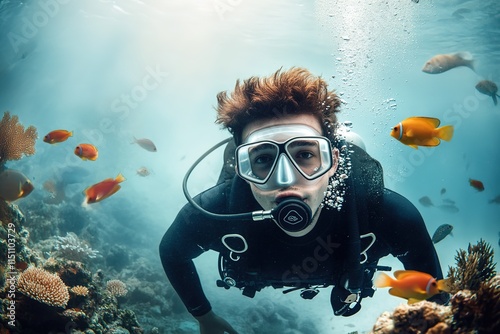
283	155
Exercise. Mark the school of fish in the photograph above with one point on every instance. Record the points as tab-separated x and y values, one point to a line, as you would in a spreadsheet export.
15	185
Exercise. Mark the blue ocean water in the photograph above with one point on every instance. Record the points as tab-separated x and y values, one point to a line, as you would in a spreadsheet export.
114	70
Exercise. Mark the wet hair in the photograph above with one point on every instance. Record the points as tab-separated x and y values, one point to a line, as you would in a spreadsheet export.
294	91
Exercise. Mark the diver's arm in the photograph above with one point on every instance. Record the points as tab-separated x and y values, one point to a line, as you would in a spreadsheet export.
211	323
177	249
408	236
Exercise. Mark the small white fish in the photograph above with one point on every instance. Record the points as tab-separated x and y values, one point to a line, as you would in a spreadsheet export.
146	144
143	171
444	62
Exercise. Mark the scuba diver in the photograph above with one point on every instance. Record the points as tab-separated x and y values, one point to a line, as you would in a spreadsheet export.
299	205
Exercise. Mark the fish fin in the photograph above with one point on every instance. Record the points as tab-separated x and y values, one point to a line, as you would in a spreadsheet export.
428	120
445	132
409	133
431	142
494	96
120	178
413	146
444	284
383	280
398	293
400	274
413	301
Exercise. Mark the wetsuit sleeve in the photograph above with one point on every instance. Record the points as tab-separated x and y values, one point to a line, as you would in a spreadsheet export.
407	235
182	242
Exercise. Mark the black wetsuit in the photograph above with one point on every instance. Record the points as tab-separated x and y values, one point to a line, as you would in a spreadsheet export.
273	258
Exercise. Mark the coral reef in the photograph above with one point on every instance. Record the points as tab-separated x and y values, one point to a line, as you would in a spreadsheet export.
480	310
116	288
36	300
72	248
474	306
15	141
473	267
423	317
43	286
80	290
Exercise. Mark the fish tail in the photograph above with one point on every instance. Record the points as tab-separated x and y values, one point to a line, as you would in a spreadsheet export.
468	59
382	281
445	132
471	64
120	178
70	134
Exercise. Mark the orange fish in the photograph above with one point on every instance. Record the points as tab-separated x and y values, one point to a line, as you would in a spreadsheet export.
421	131
86	152
476	184
57	136
412	285
103	189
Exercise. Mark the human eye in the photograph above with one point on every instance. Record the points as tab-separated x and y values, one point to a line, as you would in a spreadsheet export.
263	159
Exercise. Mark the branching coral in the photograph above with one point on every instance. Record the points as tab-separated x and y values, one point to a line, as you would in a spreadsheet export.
475	304
116	288
479	311
15	141
72	248
80	290
473	267
43	286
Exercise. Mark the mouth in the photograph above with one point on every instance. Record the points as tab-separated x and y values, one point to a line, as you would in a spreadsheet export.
286	194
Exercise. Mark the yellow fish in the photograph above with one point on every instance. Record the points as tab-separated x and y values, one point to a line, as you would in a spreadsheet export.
412	285
421	131
14	185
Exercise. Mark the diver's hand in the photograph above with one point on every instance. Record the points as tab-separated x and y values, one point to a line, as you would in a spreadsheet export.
211	323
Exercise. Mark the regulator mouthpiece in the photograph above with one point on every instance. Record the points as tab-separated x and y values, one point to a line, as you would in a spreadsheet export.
292	214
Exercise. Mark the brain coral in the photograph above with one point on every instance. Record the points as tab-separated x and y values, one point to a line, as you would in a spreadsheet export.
14	139
43	286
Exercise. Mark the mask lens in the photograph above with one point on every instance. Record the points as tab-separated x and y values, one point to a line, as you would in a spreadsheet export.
311	156
256	161
306	155
262	159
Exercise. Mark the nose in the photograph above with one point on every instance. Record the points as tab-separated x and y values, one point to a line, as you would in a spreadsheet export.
285	175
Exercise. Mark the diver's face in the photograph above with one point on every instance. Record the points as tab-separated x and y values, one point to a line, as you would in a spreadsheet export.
311	192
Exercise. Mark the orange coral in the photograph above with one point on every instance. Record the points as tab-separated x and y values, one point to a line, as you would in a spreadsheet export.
80	290
15	141
43	286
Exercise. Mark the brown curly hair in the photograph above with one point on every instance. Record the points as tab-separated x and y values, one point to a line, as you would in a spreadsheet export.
294	91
